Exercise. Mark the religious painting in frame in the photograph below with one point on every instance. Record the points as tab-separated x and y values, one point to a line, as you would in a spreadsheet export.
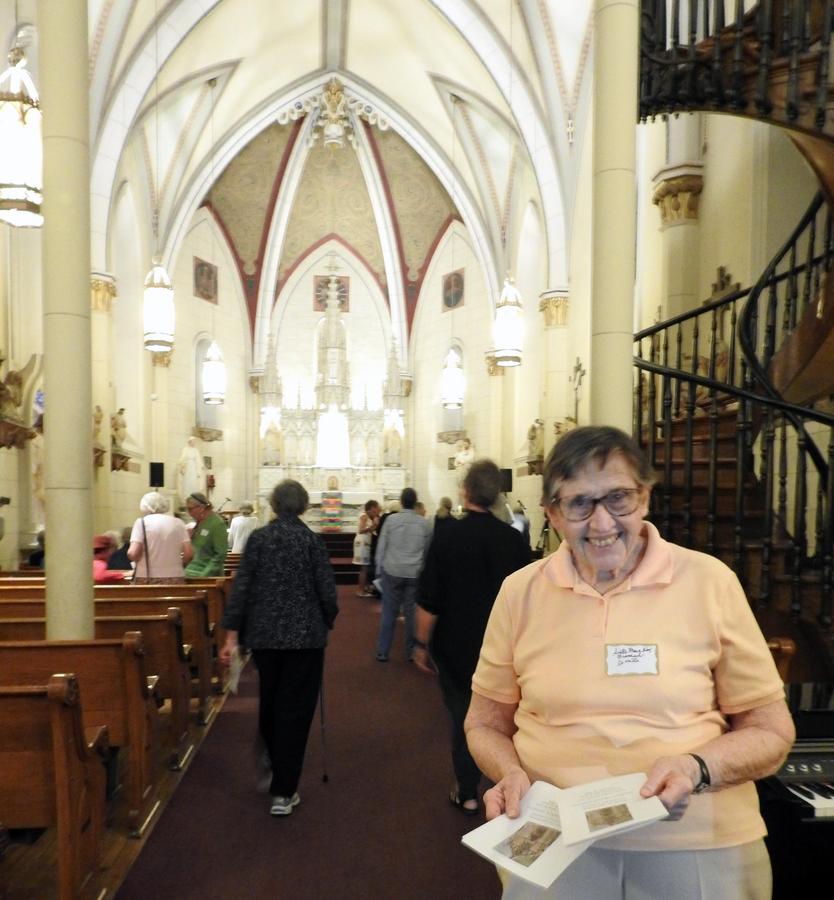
320	286
453	289
205	280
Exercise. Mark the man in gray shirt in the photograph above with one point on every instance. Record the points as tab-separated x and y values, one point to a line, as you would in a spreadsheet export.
400	554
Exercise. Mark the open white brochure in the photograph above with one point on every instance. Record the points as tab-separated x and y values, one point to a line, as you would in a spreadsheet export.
236	665
596	810
530	846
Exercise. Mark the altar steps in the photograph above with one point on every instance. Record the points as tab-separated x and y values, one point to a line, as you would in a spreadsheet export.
340	548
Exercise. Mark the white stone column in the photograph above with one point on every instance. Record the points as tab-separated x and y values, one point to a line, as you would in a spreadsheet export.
677	193
558	362
614	209
66	287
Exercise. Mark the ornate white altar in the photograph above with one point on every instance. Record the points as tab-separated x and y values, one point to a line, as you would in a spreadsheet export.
323	441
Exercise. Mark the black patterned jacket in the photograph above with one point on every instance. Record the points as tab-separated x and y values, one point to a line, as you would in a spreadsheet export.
284	595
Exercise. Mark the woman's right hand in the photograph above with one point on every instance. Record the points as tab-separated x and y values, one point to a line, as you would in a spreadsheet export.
505	797
227	650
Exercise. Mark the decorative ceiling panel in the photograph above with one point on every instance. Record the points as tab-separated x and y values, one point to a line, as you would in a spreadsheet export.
421	205
241	197
332	199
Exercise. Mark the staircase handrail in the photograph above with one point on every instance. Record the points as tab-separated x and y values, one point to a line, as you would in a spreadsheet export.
777	403
744	331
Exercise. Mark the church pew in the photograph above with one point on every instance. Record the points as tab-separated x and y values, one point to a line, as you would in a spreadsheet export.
117	695
165	654
52	774
196	623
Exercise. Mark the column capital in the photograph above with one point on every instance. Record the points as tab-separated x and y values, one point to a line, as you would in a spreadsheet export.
677	193
102	291
162	360
554	304
492	367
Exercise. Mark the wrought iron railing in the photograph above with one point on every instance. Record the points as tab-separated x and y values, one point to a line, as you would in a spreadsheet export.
741	469
768	59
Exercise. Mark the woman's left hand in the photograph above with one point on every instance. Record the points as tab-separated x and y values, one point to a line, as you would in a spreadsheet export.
670	779
226	651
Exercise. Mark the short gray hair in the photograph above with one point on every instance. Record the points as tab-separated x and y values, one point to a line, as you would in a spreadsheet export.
592	443
289	498
153	502
246	508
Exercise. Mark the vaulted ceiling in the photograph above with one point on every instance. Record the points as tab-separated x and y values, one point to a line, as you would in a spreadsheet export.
469	109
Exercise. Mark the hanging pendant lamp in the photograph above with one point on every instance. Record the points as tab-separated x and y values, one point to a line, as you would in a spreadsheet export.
214	376
452	382
158	310
21	146
507	327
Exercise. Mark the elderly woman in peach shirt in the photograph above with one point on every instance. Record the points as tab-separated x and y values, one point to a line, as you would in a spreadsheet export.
702	712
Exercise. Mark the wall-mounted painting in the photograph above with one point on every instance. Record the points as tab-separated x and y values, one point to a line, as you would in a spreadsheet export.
205	280
320	287
453	284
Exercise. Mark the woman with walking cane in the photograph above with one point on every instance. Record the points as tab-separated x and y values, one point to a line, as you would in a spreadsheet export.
284	600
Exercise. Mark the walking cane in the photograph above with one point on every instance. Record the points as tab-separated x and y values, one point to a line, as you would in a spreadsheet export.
324	776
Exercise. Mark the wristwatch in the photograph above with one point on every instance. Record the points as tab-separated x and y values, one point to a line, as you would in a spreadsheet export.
705	781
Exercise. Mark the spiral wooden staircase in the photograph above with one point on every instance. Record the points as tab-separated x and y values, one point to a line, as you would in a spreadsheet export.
734	399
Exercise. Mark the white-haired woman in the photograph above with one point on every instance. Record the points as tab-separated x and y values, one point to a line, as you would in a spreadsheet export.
242	526
159	544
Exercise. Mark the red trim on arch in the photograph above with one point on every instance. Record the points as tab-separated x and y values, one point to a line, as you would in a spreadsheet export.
251	283
408	286
333	236
441	233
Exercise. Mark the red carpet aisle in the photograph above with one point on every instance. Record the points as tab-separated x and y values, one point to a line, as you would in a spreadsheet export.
381	828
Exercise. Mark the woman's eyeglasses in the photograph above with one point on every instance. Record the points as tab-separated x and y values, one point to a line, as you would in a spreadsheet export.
621	502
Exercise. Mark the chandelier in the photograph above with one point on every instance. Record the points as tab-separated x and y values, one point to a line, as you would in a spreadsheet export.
506	329
21	149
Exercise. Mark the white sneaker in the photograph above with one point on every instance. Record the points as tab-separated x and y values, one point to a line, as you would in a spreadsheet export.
283	806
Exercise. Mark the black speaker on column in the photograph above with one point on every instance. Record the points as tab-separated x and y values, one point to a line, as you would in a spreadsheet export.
157	475
507	481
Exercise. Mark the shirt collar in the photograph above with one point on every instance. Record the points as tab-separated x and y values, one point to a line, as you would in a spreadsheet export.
656	566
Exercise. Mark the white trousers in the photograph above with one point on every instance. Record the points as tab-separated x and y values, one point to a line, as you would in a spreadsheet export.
731	873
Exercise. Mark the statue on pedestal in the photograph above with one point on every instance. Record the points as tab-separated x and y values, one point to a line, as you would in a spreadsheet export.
118	428
464	458
191	470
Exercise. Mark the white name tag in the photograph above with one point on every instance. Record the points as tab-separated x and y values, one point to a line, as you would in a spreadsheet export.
631	659
204	532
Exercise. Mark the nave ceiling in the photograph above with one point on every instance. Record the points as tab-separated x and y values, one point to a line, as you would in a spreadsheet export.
485	101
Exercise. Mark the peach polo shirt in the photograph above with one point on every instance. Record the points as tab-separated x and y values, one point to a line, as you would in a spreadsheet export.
545	650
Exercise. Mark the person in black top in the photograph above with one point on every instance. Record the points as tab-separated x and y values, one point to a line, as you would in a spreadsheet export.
119	558
467	561
284	600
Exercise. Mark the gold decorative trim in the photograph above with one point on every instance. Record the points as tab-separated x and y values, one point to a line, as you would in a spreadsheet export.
678	198
555	309
207	434
163	360
492	367
102	292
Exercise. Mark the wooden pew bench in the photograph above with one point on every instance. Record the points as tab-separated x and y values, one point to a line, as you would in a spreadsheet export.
165	656
52	774
18	601
117	695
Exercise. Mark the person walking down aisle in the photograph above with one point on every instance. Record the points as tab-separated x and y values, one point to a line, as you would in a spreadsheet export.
619	653
159	543
282	605
365	528
242	526
209	539
402	547
467	561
